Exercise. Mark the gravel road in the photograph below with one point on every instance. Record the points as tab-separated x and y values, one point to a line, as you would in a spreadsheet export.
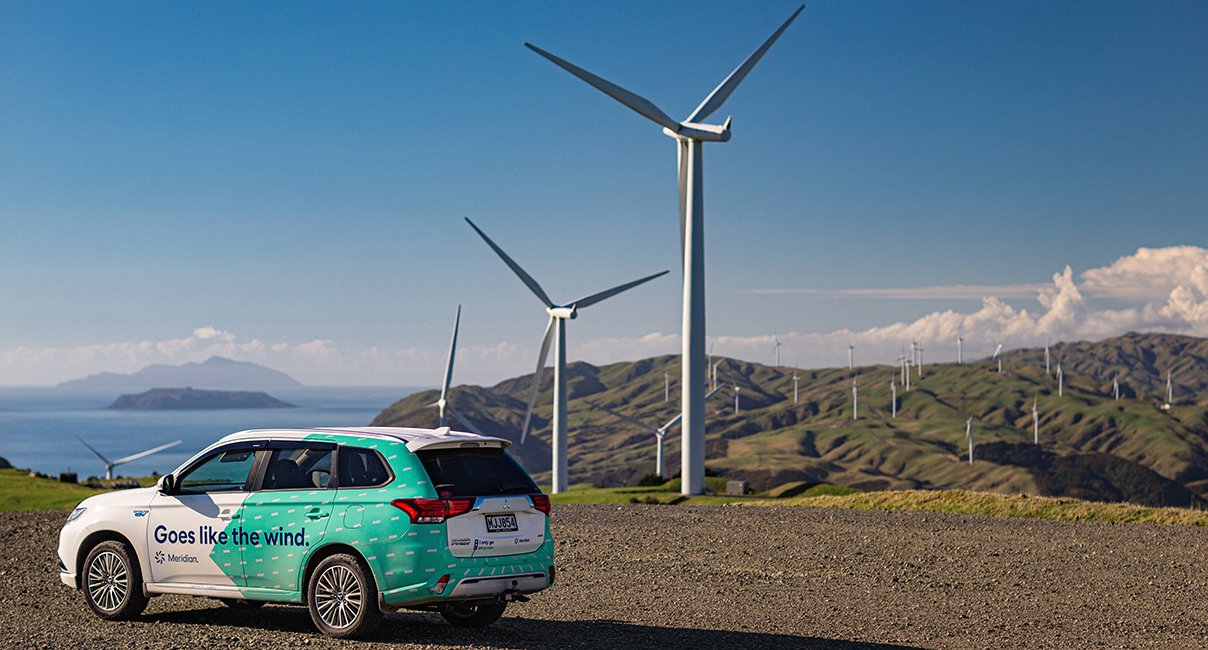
677	577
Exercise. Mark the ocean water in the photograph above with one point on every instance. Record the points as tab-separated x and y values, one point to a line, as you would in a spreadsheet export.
38	425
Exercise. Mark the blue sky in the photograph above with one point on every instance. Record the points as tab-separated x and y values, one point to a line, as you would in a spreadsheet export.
295	174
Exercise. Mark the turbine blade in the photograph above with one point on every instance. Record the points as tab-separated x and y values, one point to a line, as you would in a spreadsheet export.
528	414
715	389
727	86
626	418
145	453
524	277
639	104
605	295
462	419
94	451
444	386
672	422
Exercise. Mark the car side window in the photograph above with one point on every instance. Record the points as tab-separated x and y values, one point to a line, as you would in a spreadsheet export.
301	468
362	468
224	471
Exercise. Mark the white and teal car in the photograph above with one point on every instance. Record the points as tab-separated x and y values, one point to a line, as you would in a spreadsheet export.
351	522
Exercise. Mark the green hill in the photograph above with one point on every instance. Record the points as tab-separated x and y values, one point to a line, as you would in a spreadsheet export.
1091	445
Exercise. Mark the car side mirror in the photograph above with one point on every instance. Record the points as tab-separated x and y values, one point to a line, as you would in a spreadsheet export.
166	484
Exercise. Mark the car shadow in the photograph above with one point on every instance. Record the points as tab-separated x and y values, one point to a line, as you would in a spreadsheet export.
513	632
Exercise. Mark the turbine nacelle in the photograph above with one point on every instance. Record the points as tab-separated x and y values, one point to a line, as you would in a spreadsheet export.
571	312
700	132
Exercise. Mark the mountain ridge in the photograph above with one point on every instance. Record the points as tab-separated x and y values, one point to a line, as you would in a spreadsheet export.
215	373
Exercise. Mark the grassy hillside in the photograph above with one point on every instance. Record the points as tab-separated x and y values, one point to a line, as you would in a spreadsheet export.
1091	445
19	491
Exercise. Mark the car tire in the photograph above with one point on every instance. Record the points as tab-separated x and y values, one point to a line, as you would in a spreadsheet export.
476	614
112	581
342	597
238	603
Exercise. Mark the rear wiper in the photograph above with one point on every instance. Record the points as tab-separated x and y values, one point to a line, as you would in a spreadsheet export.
515	487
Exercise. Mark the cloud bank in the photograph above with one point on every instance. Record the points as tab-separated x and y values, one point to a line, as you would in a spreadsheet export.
1153	289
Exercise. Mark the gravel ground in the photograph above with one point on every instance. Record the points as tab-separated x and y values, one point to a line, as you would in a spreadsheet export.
676	577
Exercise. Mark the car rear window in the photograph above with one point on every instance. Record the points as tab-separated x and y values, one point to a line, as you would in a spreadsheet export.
361	468
478	471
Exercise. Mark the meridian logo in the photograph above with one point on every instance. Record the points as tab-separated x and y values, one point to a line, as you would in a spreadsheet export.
159	557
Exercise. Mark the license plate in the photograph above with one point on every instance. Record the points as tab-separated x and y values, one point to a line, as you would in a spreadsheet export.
501	524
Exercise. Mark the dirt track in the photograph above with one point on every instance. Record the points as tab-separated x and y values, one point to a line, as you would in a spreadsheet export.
667	576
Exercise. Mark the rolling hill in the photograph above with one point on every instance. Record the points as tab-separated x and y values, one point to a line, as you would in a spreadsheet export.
1091	445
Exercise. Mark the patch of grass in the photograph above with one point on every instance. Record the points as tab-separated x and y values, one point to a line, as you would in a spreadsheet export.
998	505
662	494
19	491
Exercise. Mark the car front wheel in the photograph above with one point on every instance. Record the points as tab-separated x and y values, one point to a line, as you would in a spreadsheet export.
113	583
342	597
479	614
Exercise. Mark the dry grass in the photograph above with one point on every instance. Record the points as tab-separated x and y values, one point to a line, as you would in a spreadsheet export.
999	505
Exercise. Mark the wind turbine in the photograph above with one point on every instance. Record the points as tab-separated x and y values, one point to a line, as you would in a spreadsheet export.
666	386
960	358
777	340
690	135
1060	380
659	432
556	330
855	399
1116	388
1046	356
998	355
851	357
907	375
110	464
736	389
795	381
442	403
914	352
894	400
1169	390
969	435
902	363
920	361
1035	422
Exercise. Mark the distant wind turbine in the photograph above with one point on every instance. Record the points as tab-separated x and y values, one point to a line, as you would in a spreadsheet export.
960	353
914	352
442	403
666	386
795	380
1035	422
1116	388
110	464
659	432
1046	356
690	136
902	362
1060	380
855	399
777	340
736	389
969	435
851	357
555	330
1169	390
998	355
894	399
920	360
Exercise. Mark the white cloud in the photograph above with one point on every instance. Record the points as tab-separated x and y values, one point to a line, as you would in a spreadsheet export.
1154	289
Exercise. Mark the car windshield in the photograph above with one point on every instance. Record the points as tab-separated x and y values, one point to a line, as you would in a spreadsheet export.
477	471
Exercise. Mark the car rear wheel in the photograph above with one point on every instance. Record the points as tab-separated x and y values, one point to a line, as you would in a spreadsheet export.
480	614
112	581
342	597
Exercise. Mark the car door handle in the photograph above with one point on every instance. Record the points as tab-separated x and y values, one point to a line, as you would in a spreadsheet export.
227	515
315	513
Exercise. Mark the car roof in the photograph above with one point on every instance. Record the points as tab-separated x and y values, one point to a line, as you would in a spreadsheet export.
415	439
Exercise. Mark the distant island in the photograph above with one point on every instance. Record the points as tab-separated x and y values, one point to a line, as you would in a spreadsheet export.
216	373
173	399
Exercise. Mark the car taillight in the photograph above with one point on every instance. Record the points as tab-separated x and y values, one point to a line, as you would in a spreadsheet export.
433	511
541	502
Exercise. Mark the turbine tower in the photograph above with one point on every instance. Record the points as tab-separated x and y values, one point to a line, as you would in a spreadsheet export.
736	389
1035	422
1116	388
851	357
1169	390
969	435
110	464
855	399
998	355
920	361
555	329
1046	356
894	400
666	386
659	432
1060	380
795	384
960	358
689	135
777	340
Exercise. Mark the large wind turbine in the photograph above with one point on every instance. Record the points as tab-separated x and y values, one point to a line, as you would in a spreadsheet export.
110	464
556	329
689	135
659	432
